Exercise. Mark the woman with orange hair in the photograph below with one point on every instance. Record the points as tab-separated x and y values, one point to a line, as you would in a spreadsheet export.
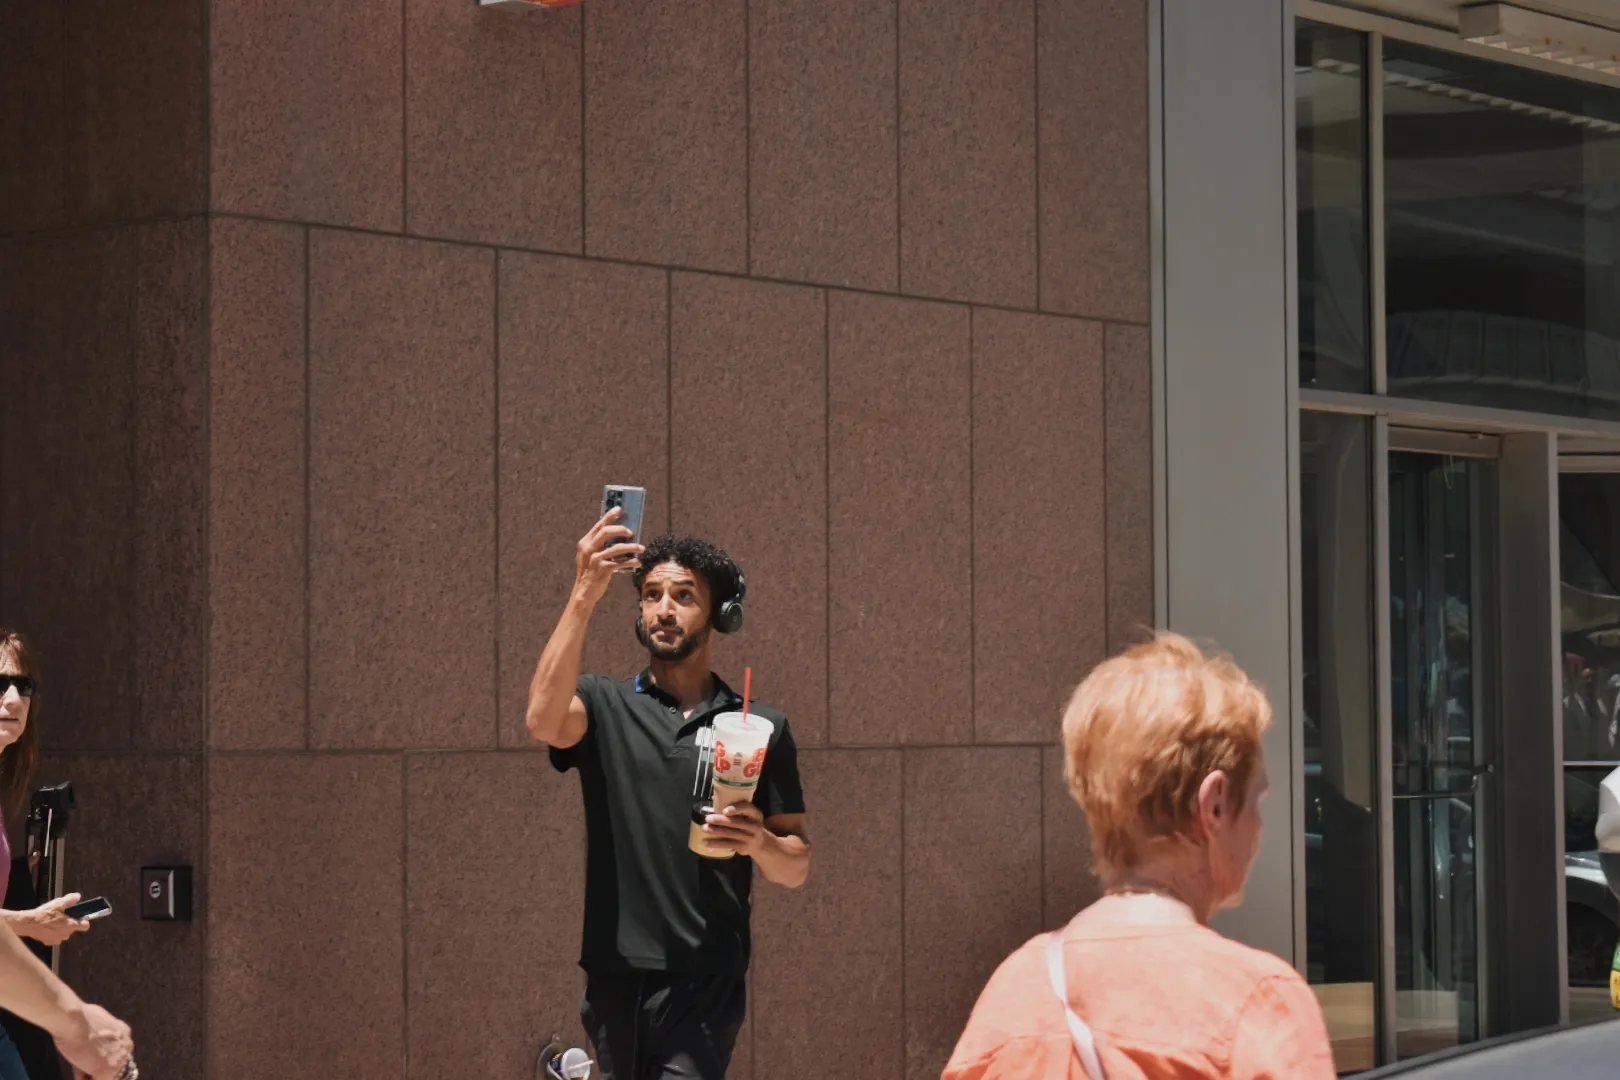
1163	753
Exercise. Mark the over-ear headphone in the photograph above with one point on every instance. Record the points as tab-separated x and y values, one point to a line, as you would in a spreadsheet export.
728	617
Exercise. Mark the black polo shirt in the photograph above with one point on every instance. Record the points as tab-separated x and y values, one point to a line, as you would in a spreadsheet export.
651	903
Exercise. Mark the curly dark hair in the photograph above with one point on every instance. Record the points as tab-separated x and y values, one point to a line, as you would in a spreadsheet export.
698	556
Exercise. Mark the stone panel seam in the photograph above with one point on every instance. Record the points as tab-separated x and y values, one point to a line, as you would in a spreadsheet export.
405	915
674	267
115	224
309	516
462	751
904	1026
973	553
206	858
583	112
131	250
154	753
207	117
404	117
899	171
63	207
826	493
748	163
207	333
5	562
669	395
1041	817
1036	6
495	361
1107	487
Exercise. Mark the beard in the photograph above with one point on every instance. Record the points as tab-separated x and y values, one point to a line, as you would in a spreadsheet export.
684	646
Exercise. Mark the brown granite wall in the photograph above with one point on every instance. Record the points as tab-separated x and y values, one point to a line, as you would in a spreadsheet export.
859	290
103	463
102	523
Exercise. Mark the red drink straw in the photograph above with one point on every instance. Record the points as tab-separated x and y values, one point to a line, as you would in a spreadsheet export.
748	689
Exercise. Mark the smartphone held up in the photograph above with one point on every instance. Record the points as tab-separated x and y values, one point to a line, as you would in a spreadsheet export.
632	501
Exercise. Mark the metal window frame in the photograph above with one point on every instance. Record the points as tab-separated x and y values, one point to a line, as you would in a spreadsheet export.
1438	38
1582	444
1530	682
1429	426
1447	416
1488	636
1376	238
1384	1000
1589	463
1183	35
1457	444
1495	651
1296	583
1156	331
1379	29
1486	639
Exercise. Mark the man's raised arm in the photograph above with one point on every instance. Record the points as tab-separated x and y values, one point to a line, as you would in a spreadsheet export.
556	716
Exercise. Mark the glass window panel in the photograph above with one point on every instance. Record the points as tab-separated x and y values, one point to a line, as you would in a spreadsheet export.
1436	925
1437	573
1341	863
1330	118
1589	561
1502	223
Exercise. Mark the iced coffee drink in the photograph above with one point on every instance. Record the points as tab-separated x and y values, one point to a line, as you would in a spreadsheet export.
698	841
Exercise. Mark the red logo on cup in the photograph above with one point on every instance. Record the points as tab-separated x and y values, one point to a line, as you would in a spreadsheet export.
725	763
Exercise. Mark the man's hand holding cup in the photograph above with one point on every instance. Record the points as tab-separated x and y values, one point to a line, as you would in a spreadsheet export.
739	827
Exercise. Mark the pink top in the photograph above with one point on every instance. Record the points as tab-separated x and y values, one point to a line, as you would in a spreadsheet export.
5	860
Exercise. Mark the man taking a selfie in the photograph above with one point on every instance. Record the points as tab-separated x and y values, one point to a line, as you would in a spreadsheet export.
666	940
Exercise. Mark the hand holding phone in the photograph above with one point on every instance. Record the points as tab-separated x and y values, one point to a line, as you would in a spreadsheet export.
631	502
89	910
53	922
606	550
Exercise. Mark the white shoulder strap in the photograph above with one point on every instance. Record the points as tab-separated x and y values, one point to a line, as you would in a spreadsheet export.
1078	1031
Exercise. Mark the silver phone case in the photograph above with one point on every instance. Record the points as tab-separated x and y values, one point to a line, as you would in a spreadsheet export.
633	500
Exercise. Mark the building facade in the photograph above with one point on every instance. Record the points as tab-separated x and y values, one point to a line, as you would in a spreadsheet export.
332	320
983	335
1384	328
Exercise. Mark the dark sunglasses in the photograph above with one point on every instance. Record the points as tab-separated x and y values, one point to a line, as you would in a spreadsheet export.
24	684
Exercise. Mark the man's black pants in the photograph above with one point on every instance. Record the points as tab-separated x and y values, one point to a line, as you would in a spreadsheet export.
657	1025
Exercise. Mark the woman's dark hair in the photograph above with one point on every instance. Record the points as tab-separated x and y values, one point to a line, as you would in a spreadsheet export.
698	556
17	763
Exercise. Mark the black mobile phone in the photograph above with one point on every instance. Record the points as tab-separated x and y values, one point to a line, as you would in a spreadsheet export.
633	501
93	908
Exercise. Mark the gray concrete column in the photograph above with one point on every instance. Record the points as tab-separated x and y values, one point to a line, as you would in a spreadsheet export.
1226	387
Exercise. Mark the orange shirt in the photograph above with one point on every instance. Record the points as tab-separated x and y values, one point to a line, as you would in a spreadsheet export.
1162	1002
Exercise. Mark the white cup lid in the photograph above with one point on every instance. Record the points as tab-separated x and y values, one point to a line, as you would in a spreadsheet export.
739	724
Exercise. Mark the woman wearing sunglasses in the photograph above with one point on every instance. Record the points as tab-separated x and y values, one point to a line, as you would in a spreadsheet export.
47	924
